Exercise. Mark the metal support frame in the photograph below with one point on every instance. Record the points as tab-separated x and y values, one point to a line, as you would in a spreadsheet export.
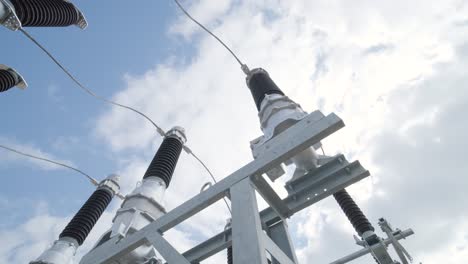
401	235
247	222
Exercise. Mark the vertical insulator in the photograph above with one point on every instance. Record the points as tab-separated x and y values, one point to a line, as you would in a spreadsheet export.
80	226
357	218
229	255
165	160
46	13
7	80
260	84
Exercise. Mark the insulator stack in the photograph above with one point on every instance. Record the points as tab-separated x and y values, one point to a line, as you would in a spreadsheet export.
7	80
229	255
47	13
260	84
165	160
80	226
357	218
75	233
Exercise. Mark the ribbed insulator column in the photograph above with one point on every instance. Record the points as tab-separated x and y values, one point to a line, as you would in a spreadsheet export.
165	160
7	80
46	13
80	226
357	218
260	84
229	255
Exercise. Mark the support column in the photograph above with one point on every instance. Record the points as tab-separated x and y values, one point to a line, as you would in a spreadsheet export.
279	233
247	233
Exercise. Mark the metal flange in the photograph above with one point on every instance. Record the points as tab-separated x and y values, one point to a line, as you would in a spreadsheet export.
8	17
20	82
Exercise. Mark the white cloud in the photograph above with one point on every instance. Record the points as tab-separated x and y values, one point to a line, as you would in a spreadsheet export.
318	53
313	49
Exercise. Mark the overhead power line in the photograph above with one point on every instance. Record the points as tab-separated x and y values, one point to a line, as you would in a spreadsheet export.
90	178
243	66
84	88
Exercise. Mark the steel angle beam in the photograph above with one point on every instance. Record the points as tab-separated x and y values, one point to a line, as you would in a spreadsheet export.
275	251
168	252
210	247
270	196
313	188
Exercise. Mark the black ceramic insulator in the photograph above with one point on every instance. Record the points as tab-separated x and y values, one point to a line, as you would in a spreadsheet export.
80	226
229	255
7	80
260	84
46	13
165	160
353	212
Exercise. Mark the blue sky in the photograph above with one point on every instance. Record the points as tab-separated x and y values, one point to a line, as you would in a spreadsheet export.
394	72
54	115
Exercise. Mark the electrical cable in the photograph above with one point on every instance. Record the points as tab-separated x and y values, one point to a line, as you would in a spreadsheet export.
75	80
212	177
243	66
90	178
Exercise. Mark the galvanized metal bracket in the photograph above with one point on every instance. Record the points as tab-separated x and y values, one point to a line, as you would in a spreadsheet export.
11	20
82	22
375	250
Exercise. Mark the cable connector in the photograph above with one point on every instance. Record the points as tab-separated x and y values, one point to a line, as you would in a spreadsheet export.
245	69
8	17
178	133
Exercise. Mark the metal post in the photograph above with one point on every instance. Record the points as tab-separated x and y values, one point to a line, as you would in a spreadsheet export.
247	233
279	233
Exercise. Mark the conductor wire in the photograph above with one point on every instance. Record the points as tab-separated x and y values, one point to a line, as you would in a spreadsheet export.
212	177
90	178
77	82
243	66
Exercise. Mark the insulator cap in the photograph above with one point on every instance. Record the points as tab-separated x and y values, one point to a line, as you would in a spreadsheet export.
47	13
80	226
357	218
165	160
7	80
260	84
